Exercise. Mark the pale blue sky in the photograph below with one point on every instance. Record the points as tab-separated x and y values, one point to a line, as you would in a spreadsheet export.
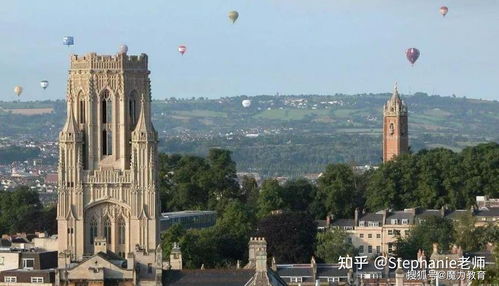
286	46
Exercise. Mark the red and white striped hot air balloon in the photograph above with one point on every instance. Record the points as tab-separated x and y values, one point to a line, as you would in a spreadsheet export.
182	49
444	10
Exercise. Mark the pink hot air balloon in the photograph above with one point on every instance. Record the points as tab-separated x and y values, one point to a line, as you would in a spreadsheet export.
444	10
182	49
412	55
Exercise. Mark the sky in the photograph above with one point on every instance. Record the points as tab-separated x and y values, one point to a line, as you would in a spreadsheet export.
276	46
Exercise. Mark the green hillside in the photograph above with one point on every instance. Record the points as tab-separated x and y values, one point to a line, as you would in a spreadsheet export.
289	135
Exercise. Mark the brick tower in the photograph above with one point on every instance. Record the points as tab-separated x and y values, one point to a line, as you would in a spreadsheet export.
395	129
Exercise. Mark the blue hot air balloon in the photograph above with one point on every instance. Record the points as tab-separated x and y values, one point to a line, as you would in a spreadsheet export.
68	41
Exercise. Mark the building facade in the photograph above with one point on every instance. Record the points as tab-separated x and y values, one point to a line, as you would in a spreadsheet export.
108	152
395	127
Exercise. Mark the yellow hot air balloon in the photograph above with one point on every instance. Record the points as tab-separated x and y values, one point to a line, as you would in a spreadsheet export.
18	90
233	15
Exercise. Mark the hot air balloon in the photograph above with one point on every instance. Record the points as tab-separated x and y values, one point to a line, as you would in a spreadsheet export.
18	90
182	49
233	15
44	84
246	103
123	49
444	10
68	41
412	55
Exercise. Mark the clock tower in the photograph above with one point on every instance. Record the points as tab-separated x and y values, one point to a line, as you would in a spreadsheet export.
395	127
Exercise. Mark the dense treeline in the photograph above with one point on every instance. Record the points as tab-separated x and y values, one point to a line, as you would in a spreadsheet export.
16	153
435	178
285	213
21	211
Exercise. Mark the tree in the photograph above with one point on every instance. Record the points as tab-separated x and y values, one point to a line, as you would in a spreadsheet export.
290	236
250	191
434	229
298	194
333	244
465	232
20	211
337	191
270	198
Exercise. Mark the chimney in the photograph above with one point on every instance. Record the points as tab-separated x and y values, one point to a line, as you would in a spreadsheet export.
254	245
328	220
176	257
261	260
274	264
356	217
399	277
130	261
313	265
100	245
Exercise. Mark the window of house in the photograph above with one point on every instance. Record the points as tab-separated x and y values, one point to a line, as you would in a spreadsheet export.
1	260
362	223
390	247
378	249
369	236
36	279
396	232
369	249
333	279
390	232
107	107
361	249
10	279
378	235
405	221
394	221
28	263
361	235
296	279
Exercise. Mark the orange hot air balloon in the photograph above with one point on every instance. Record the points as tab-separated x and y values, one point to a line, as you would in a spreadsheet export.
444	10
182	49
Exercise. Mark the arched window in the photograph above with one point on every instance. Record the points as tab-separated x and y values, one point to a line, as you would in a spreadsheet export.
107	107
121	231
132	109
107	143
107	230
93	230
81	108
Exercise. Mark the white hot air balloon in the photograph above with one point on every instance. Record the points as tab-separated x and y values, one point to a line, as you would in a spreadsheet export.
123	49
44	84
18	90
246	103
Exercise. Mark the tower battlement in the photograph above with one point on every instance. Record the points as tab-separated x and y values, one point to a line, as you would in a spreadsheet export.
121	61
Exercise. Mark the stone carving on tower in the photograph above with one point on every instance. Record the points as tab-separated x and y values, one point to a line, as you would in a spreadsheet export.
108	153
395	127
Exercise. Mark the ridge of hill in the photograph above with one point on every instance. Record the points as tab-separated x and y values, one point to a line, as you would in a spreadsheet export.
287	135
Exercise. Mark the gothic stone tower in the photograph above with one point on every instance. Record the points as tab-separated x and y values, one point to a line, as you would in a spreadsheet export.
107	174
395	129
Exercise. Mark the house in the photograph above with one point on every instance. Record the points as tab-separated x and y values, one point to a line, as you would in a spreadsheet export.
255	273
24	267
